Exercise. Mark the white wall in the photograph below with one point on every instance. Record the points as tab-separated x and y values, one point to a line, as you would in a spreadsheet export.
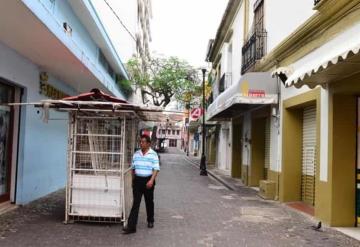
282	17
246	134
237	44
127	11
289	92
224	147
274	139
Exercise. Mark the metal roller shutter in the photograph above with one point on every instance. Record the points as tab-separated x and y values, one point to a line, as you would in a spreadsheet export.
267	147
308	156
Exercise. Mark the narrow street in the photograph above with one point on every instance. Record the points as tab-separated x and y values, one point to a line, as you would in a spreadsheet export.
190	210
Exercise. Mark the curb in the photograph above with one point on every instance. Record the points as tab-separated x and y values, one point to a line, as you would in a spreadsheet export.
216	177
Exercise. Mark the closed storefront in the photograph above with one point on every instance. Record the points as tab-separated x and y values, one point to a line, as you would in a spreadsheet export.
308	156
267	148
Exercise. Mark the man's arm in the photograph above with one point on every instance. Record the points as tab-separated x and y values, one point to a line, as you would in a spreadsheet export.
156	169
150	183
133	167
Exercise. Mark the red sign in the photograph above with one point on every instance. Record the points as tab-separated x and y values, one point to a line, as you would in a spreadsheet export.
196	113
256	93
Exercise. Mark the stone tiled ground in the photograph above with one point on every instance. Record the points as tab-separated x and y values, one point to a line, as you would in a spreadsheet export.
191	210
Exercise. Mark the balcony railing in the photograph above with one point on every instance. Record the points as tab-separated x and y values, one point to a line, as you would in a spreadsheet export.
210	100
253	50
224	82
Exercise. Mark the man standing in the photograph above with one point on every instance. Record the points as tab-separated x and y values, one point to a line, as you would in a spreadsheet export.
145	167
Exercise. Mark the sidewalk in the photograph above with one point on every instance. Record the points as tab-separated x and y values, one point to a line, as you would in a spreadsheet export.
237	186
226	180
190	210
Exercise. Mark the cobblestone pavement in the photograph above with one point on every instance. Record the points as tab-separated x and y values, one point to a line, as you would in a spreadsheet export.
191	210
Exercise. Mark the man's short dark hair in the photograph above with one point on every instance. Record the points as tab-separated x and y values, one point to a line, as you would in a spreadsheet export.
146	137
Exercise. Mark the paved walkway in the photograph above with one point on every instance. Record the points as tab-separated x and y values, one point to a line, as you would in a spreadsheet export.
191	210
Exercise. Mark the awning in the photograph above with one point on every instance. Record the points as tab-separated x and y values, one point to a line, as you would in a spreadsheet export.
333	61
253	89
96	101
282	71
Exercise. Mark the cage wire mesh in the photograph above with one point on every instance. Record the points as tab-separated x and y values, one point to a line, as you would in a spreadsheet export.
100	150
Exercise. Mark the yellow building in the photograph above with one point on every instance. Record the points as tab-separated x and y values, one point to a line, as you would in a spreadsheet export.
320	67
301	147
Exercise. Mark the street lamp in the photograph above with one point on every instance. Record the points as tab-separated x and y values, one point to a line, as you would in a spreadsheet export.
188	129
203	171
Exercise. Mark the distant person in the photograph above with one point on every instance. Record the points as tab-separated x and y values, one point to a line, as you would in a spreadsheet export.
145	167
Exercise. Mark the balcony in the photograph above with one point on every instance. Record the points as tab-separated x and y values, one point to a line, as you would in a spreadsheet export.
253	50
316	2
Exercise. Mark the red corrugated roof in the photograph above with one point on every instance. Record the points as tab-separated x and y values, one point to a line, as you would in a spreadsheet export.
95	95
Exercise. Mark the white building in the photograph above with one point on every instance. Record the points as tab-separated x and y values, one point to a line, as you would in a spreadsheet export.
298	142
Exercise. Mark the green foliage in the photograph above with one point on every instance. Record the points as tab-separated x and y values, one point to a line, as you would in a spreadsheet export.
164	79
125	85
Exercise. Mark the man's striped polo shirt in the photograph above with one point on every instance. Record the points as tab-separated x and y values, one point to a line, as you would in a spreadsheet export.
145	164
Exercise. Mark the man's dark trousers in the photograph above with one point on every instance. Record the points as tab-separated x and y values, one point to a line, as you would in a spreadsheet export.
139	189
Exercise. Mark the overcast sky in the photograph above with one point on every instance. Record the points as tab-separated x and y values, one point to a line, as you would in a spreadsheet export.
180	28
183	27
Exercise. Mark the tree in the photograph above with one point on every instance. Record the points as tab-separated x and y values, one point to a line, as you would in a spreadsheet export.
164	79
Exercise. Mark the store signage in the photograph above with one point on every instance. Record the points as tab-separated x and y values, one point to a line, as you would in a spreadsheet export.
49	90
196	113
256	93
246	91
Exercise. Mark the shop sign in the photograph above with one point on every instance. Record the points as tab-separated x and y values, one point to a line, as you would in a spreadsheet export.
48	90
256	93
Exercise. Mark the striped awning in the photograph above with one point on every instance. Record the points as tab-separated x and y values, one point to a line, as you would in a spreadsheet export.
337	59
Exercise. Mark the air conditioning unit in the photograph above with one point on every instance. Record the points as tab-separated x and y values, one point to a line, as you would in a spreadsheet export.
267	189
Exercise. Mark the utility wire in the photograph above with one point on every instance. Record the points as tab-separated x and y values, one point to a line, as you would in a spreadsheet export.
122	24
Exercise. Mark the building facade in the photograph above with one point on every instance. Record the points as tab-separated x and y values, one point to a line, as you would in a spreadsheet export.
48	49
320	107
297	137
244	98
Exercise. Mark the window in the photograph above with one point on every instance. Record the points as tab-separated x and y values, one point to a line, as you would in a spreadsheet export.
173	132
169	132
255	46
259	15
178	132
104	62
259	29
163	131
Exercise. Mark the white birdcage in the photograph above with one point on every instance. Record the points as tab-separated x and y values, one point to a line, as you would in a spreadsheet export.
100	149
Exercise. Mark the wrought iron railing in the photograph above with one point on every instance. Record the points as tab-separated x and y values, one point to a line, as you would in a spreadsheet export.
209	100
253	50
225	82
222	84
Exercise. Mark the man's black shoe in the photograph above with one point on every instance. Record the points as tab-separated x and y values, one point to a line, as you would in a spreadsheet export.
128	231
150	224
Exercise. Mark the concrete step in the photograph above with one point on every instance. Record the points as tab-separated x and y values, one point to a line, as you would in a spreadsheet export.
6	207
